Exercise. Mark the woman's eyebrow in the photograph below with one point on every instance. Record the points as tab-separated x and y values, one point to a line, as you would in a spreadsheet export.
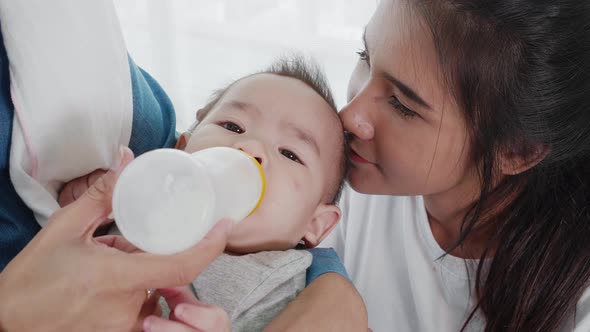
406	90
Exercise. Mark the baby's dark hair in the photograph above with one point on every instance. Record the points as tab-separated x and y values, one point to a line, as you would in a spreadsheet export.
308	72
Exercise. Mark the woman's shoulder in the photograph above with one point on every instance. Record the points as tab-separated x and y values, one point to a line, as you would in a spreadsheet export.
582	314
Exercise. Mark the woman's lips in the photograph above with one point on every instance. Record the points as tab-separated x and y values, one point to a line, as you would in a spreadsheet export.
355	157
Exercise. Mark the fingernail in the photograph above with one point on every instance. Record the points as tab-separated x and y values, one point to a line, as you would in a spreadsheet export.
119	160
147	325
179	311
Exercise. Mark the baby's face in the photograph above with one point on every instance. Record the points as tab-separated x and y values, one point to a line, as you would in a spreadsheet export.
297	138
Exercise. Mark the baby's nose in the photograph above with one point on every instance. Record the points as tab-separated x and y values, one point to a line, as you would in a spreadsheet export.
258	156
255	149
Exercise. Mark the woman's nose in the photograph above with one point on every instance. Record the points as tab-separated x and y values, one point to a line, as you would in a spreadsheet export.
355	117
255	149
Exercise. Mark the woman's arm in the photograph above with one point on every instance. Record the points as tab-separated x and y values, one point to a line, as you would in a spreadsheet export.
329	303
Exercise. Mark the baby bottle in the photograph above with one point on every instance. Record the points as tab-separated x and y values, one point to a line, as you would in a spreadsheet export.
166	200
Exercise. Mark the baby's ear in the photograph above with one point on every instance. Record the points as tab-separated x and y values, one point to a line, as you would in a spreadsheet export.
182	141
325	218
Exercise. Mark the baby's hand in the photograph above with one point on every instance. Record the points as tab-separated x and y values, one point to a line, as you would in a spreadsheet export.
188	314
75	188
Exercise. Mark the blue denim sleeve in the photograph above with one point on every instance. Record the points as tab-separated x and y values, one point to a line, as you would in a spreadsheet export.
324	260
17	222
154	120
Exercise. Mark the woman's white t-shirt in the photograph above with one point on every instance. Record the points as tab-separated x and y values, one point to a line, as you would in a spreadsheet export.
389	251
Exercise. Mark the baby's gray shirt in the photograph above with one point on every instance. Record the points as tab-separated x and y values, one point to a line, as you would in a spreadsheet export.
253	288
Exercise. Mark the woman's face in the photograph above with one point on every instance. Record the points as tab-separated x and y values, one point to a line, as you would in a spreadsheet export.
408	135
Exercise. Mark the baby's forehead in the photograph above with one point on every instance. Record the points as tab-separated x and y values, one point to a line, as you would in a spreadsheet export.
287	102
286	97
260	85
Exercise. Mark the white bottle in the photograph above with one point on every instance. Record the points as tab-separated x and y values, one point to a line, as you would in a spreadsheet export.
166	200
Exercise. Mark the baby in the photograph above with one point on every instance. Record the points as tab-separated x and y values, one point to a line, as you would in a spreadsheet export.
285	117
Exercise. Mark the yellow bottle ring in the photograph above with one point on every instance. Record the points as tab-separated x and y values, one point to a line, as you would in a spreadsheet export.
263	179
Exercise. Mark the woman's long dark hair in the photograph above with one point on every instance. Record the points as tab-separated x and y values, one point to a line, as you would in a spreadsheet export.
520	70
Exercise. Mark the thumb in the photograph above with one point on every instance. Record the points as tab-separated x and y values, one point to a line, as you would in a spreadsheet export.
144	270
92	208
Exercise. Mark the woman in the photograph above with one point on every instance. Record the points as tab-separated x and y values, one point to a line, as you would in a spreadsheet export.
478	113
478	110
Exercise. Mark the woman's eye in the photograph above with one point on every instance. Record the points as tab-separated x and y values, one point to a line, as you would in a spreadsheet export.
232	127
363	55
403	110
291	156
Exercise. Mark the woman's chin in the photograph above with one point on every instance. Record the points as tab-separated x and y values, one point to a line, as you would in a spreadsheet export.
363	181
371	181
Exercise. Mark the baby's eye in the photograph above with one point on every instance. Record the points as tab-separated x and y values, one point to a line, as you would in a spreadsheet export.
291	156
232	127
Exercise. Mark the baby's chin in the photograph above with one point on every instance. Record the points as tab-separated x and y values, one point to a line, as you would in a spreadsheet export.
242	243
240	248
246	237
239	242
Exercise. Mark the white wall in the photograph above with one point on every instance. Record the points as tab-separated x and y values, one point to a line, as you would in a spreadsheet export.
193	47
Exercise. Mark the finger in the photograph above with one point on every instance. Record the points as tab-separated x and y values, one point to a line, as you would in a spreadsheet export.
92	177
84	182
150	308
157	324
202	316
162	271
66	196
117	242
79	186
175	296
76	188
92	209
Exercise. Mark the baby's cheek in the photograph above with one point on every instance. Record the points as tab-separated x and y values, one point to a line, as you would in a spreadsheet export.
304	192
296	185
